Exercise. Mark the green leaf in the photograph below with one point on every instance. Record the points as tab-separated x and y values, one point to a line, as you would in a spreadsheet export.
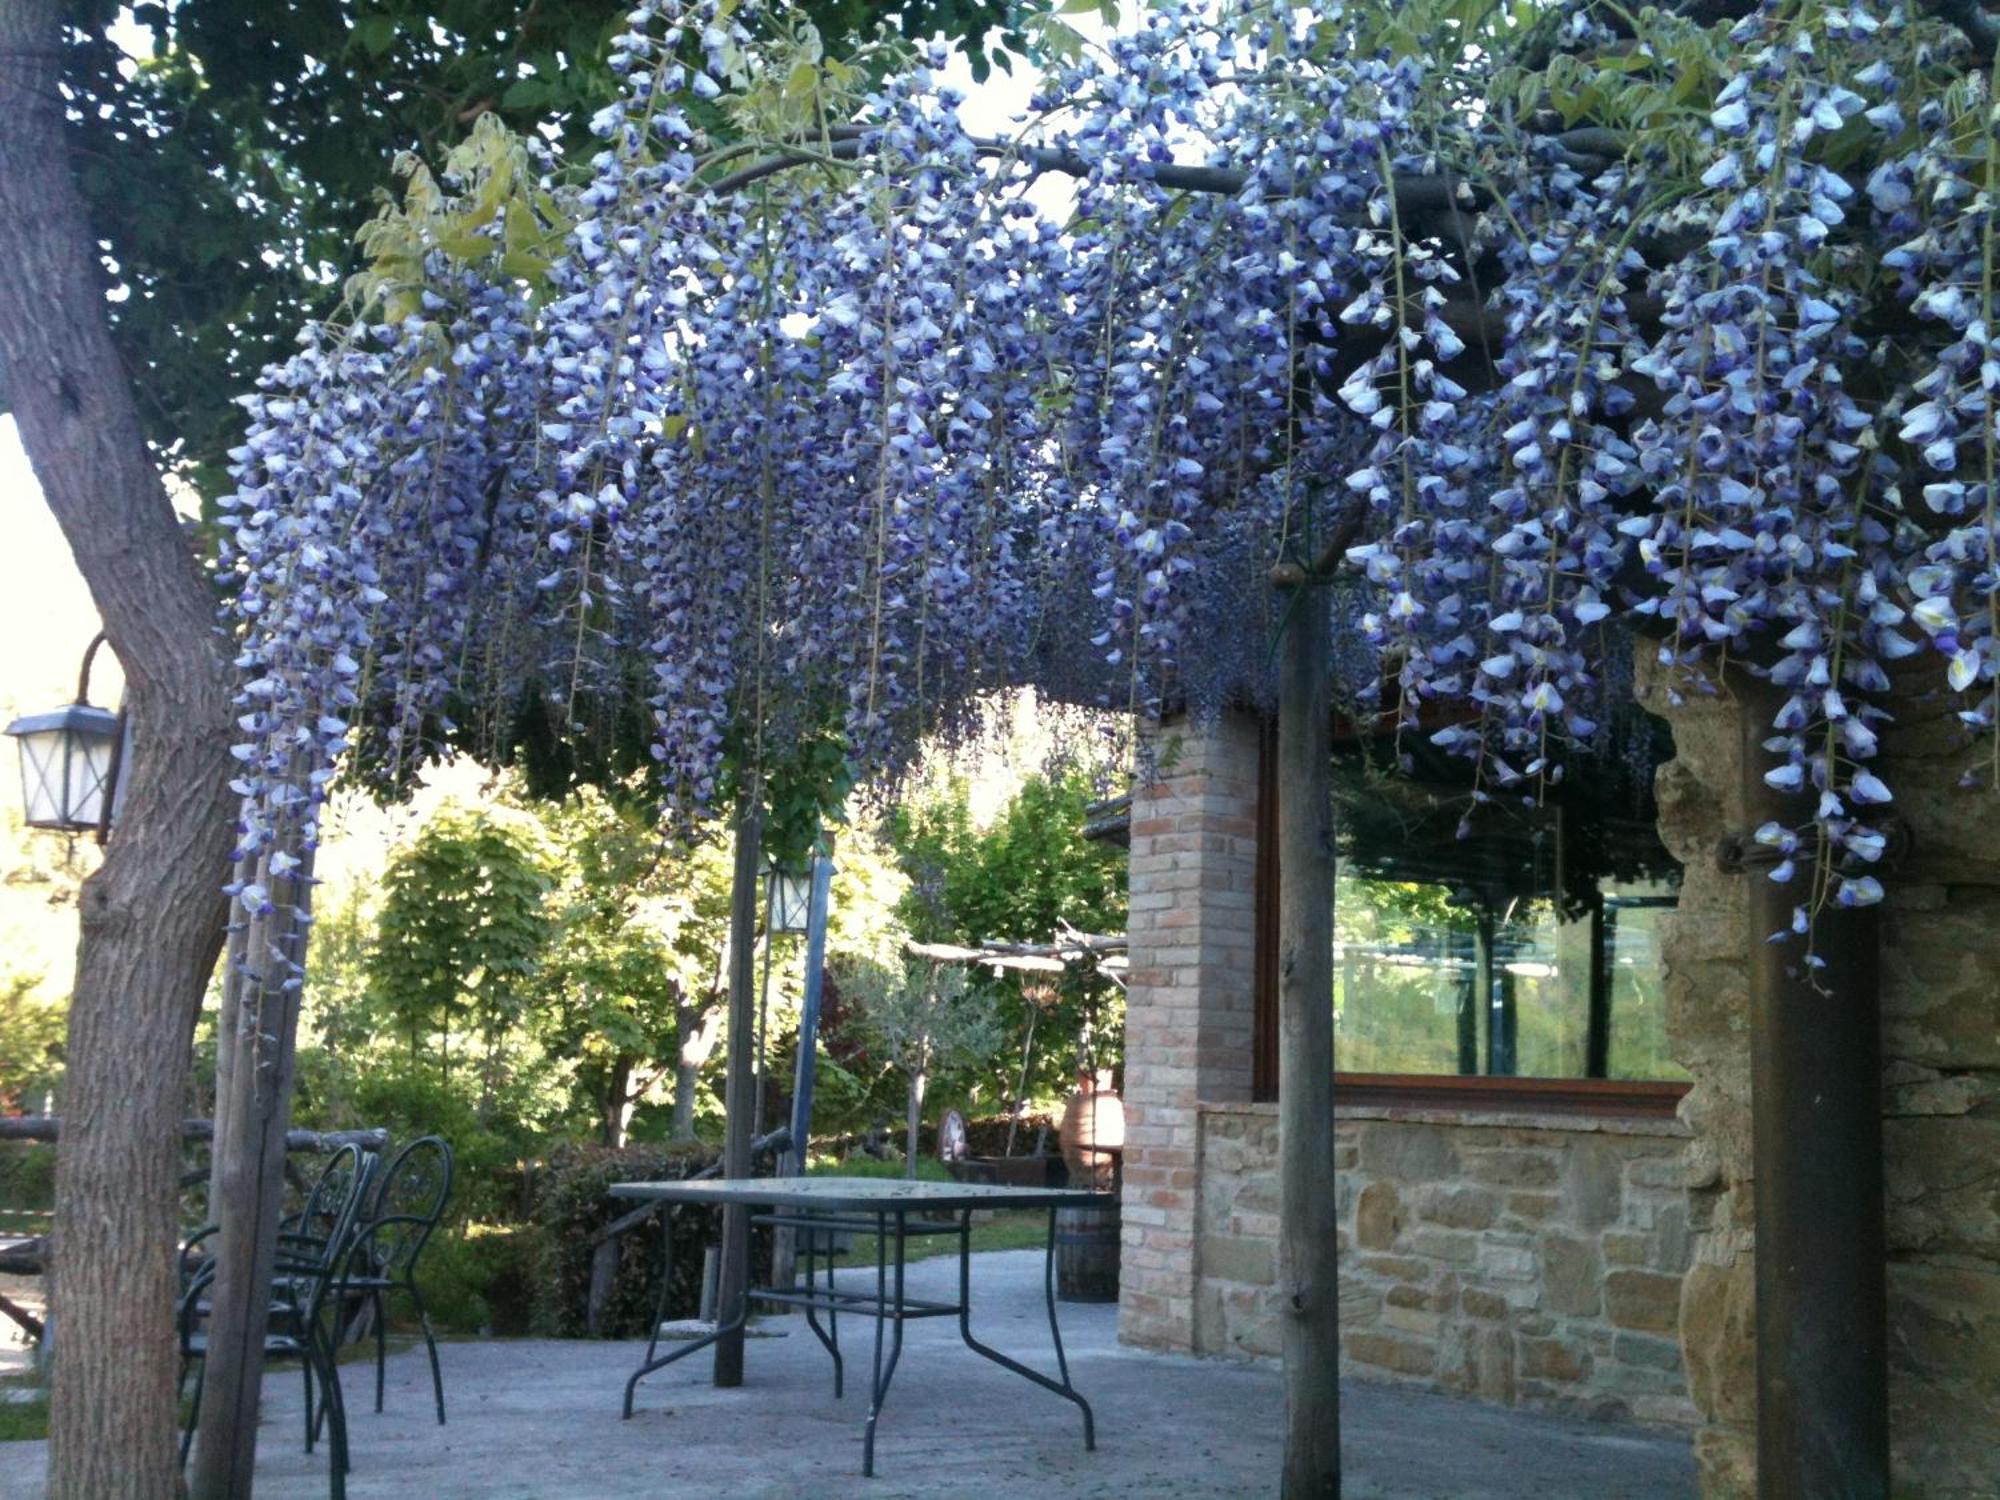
375	34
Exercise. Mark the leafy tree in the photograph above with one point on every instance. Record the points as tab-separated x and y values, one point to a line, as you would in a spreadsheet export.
461	940
634	969
1026	878
922	1017
31	1042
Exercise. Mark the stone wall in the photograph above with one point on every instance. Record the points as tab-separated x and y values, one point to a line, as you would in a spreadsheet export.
1528	1260
1200	1211
1941	1102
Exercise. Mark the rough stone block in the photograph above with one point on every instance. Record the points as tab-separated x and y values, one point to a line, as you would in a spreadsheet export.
1649	1353
1644	1300
1623	1248
1412	1320
1553	1359
1534	1207
1515	1168
1476	1303
1461	1207
1394	1267
1504	1261
1594	1183
1572	1276
1229	1258
1455	1247
1378	1216
1408	1153
1390	1351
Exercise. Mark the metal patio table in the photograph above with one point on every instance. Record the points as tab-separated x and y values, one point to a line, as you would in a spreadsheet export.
892	1211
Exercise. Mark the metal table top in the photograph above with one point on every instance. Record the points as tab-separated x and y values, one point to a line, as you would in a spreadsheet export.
859	1194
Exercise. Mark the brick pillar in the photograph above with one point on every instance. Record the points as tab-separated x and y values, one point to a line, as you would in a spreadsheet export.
1189	1001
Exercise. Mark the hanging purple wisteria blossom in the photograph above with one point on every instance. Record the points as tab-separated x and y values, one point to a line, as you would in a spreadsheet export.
820	425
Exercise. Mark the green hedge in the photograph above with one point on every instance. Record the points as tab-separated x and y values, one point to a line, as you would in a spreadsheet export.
571	1202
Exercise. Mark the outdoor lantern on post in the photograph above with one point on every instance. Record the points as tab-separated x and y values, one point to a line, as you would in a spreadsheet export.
791	899
70	759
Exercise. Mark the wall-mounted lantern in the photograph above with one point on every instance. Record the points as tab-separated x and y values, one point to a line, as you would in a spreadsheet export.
70	759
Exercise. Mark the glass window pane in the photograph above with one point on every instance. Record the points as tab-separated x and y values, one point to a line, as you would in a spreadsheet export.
1521	941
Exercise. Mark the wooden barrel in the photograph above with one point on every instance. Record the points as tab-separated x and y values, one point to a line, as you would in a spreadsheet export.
1087	1253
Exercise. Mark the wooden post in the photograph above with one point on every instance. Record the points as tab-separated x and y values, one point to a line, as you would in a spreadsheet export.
1816	1126
257	1032
1307	1263
740	1089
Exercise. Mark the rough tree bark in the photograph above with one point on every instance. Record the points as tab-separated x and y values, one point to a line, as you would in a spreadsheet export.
152	916
698	1028
914	1114
1307	1262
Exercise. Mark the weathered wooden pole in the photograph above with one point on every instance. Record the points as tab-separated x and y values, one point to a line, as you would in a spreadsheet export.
1816	1119
740	1089
1308	1268
256	1052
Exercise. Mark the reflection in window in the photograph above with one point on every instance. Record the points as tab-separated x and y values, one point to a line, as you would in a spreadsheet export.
1525	945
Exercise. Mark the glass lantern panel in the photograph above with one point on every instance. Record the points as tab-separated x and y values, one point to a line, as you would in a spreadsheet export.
791	900
89	766
42	777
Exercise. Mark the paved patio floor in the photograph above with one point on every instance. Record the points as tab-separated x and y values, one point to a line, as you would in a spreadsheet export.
538	1420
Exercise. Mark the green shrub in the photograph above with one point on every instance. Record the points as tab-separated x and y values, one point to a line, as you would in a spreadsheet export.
571	1202
477	1278
27	1184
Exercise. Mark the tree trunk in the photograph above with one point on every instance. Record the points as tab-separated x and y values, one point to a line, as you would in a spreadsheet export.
617	1102
1307	1264
919	1076
152	916
740	1091
697	1028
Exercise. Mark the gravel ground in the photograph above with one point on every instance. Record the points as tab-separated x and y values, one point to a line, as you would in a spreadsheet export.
538	1420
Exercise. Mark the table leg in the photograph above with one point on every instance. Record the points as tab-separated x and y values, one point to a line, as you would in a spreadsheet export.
830	1340
1063	1387
722	1331
883	1314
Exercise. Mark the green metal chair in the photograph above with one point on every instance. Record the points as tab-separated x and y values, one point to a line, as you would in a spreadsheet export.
305	1281
410	1198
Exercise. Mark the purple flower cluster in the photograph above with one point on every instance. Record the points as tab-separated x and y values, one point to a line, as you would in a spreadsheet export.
840	449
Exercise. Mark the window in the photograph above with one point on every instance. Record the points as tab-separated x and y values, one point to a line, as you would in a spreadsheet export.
1520	944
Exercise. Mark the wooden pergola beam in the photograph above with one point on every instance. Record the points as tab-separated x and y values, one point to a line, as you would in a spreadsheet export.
49	1128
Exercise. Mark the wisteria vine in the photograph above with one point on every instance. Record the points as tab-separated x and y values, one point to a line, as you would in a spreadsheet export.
821	422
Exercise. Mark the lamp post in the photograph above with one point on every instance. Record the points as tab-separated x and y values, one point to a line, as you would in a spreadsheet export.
787	909
70	760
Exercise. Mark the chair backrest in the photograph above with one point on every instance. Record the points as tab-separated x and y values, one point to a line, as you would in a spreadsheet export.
309	1258
410	1198
340	1190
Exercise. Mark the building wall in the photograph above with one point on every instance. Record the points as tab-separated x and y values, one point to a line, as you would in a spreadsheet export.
1190	988
1534	1261
1530	1260
1486	1306
1941	1103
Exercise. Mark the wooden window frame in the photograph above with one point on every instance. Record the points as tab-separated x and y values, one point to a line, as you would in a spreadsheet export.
1639	1099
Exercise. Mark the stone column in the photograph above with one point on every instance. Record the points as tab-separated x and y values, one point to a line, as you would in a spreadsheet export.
1702	945
1190	994
1941	1097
